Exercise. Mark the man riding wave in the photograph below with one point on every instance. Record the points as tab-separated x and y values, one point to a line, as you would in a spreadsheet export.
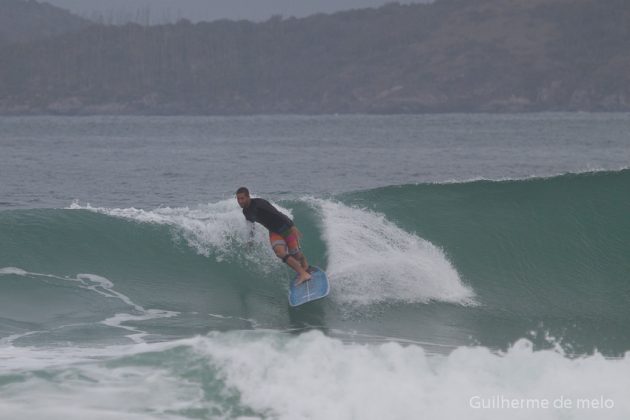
283	234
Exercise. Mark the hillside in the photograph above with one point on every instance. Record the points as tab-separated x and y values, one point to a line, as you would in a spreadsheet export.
28	20
449	56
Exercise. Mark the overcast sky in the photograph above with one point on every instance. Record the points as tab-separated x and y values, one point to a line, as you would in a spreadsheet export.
196	10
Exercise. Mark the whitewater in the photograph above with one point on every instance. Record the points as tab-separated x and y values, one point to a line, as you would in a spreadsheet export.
478	265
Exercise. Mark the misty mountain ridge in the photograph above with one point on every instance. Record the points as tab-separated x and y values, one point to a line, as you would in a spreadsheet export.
448	56
29	20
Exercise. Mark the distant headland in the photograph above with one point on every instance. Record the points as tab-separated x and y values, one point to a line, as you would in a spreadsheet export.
447	56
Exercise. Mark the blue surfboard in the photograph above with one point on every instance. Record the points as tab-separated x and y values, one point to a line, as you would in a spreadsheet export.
315	288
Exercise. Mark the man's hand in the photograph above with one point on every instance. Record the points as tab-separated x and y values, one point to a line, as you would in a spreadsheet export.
252	233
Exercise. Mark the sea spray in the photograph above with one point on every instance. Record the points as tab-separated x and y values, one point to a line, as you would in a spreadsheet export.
373	260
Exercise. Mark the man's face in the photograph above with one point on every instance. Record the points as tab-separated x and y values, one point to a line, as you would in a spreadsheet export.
243	200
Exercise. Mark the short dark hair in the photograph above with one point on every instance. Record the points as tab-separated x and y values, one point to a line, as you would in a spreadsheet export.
243	190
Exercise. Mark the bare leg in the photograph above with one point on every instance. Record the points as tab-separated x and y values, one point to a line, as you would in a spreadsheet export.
294	263
302	259
295	250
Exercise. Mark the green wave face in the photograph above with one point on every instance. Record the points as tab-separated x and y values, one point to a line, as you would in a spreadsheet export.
445	263
557	246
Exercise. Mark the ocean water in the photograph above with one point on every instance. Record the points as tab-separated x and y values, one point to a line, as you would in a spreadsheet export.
479	267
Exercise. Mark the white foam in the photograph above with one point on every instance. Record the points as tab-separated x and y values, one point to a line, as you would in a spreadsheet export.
372	260
315	377
100	383
12	270
309	376
250	321
103	287
94	391
118	321
216	228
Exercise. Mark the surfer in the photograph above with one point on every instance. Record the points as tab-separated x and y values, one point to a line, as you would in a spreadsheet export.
283	234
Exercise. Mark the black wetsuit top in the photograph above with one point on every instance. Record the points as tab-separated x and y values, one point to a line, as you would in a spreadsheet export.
263	212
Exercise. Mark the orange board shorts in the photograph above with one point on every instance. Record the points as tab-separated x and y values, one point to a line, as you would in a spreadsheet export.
287	238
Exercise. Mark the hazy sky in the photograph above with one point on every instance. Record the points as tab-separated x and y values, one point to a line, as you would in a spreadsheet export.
170	10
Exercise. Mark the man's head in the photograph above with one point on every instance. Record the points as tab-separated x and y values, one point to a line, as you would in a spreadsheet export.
242	196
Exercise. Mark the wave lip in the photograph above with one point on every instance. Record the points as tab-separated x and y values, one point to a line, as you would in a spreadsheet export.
372	260
206	229
216	229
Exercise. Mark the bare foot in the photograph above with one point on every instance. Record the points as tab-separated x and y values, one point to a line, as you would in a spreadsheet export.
302	278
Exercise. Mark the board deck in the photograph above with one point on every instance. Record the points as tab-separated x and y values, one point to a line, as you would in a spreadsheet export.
315	288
